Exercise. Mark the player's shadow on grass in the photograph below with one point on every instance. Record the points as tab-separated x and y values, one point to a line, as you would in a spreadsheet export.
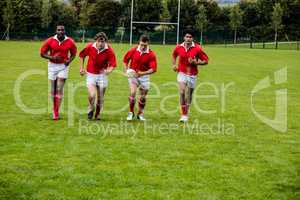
288	188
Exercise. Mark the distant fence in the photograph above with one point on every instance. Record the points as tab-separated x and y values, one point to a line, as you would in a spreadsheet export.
217	38
157	37
283	45
122	35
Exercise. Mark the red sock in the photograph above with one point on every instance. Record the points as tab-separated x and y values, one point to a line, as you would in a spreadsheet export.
55	111
142	104
98	109
187	109
184	109
91	103
131	103
57	101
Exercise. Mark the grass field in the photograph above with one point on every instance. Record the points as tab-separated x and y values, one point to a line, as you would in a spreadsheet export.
76	159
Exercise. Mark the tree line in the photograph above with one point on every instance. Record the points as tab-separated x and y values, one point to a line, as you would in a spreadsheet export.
247	20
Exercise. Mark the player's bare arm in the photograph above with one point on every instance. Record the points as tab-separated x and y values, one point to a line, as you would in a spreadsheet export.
67	62
109	70
82	69
126	66
142	73
47	56
198	61
202	62
175	68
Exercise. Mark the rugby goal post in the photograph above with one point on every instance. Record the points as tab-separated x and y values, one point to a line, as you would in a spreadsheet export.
154	23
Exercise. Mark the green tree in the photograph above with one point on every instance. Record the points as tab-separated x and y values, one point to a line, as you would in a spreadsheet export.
8	17
46	14
291	20
28	16
236	20
105	15
201	20
165	17
77	4
251	19
84	18
265	10
277	20
65	14
188	12
2	7
144	10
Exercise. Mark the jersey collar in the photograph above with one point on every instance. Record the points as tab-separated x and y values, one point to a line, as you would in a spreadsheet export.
139	49
99	51
182	44
60	42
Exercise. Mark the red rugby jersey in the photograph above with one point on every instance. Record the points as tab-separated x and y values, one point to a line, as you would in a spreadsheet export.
58	48
98	60
140	61
195	51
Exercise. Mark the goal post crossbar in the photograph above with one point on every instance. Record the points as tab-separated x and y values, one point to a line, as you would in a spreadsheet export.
158	23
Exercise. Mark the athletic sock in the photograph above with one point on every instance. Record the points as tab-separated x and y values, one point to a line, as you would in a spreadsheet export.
142	104
91	104
131	103
99	106
184	109
187	109
57	102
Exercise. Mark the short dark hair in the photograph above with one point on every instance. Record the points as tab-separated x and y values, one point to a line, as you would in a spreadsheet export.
189	31
144	38
59	25
101	35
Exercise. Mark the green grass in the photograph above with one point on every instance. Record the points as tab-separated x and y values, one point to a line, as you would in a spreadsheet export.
42	159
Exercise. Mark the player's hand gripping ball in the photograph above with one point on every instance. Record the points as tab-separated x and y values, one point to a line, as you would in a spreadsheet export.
131	73
192	61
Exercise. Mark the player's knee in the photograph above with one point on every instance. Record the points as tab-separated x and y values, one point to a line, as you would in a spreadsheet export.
60	92
132	93
143	98
92	95
182	93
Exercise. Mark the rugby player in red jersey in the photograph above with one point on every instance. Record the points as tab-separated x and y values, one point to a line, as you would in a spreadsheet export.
101	62
190	56
60	50
139	63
